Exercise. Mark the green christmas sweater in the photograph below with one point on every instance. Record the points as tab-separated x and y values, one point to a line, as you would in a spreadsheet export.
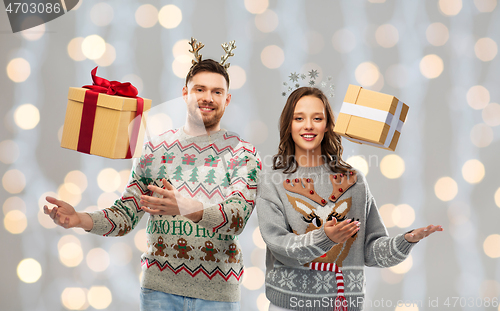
200	260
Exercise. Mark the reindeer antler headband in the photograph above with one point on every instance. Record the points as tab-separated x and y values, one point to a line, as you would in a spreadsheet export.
197	46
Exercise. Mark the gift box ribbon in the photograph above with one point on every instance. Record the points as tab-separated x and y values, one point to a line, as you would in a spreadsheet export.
377	115
211	158
188	158
104	86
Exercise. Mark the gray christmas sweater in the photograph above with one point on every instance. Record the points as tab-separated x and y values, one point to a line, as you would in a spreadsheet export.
200	260
305	270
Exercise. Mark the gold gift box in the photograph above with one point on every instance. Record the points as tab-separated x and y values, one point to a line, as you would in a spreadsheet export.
112	125
372	118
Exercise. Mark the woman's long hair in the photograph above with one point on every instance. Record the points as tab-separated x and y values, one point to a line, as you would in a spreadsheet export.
331	145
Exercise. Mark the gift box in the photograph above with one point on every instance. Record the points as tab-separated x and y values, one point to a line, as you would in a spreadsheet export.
104	124
212	161
372	118
188	159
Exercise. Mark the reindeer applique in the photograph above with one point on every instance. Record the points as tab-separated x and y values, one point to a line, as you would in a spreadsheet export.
316	215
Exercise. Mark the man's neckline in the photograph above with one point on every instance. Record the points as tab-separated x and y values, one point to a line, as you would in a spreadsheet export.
207	135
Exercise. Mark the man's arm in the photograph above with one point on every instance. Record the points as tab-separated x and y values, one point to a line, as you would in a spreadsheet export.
125	214
117	220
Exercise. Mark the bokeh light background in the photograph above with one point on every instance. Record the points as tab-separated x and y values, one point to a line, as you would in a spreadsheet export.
440	57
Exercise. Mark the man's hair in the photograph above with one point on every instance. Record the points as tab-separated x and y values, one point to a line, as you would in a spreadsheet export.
331	145
208	65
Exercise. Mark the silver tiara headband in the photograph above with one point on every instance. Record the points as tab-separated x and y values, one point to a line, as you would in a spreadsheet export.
296	80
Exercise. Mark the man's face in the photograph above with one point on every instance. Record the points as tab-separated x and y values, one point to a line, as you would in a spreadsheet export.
207	98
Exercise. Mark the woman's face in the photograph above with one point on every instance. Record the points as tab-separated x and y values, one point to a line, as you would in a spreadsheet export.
308	126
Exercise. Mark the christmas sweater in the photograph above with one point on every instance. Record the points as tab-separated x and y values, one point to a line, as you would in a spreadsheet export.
200	260
305	270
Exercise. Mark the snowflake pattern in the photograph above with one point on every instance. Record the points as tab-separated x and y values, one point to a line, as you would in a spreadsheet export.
294	77
295	245
304	281
383	255
313	74
323	282
272	275
355	281
287	279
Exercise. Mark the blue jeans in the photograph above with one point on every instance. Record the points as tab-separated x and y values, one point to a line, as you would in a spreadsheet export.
152	300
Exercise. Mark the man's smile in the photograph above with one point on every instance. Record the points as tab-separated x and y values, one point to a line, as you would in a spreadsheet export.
206	108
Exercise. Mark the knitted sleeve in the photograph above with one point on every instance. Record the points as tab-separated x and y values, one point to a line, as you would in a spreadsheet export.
287	247
124	214
380	249
231	215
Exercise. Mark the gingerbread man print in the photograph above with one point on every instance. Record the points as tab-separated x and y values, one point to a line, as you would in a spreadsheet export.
160	247
232	252
236	222
209	251
182	249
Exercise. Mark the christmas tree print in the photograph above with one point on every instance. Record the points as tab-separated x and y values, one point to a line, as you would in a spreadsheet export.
178	173
162	174
144	163
210	177
252	175
147	177
226	180
194	175
235	173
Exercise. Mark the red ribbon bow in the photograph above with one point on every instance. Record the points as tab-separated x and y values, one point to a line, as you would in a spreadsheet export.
102	85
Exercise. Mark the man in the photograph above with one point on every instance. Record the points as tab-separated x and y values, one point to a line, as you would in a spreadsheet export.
193	258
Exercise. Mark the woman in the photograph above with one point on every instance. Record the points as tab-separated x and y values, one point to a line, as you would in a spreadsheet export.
318	217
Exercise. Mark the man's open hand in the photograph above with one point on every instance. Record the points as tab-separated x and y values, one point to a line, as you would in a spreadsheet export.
65	215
